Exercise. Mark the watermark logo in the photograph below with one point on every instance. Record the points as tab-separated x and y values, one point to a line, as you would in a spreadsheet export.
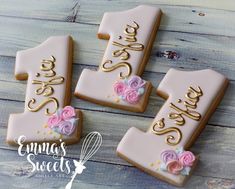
90	146
86	153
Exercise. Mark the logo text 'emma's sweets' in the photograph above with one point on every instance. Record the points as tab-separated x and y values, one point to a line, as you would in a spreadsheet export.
57	151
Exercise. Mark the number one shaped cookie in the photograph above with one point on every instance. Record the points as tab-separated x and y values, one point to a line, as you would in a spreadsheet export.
191	98
117	83
46	117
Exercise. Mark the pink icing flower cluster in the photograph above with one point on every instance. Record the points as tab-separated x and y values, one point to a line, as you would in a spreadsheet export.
63	121
177	162
130	90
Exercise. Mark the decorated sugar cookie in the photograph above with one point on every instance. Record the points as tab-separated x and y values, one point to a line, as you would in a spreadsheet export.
47	115
117	82
163	151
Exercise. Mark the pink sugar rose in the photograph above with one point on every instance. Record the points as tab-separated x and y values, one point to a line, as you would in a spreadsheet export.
135	82
174	167
187	158
68	112
169	155
119	88
54	120
132	96
66	127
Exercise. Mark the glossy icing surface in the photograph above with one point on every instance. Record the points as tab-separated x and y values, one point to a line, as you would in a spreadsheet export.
48	67
97	86
144	149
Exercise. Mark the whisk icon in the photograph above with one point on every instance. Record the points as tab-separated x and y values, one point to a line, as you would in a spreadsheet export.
90	145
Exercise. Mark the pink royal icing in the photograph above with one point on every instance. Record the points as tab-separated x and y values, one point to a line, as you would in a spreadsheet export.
174	167
187	158
54	120
177	162
63	121
132	96
119	88
68	112
130	90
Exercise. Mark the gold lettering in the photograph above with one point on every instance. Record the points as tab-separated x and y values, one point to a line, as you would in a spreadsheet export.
130	31
45	87
179	120
130	39
190	104
121	52
170	139
50	74
131	34
192	97
42	104
116	66
188	113
48	65
136	26
131	46
193	94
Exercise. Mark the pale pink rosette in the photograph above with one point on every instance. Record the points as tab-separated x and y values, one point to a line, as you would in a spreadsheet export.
135	82
119	88
187	158
54	120
68	112
132	96
174	167
169	155
66	127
